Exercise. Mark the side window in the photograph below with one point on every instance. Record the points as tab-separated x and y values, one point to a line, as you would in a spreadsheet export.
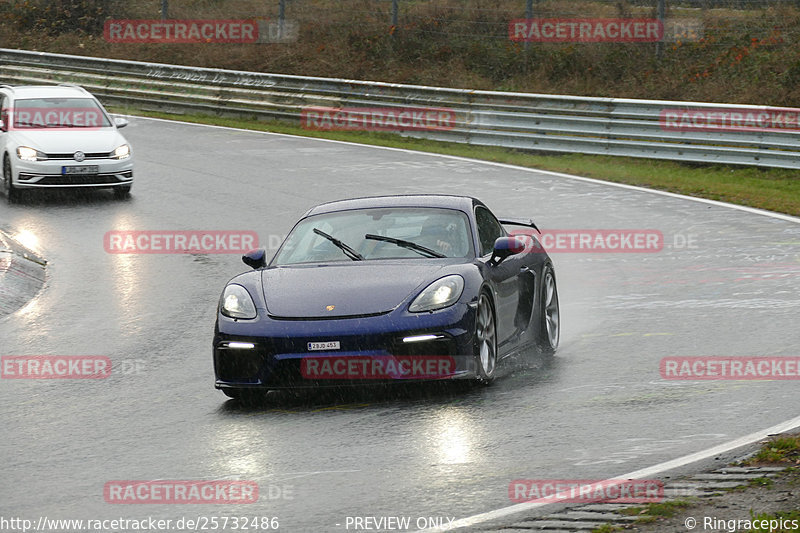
489	229
4	111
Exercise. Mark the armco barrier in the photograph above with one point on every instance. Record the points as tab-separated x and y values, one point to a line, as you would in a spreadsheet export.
550	123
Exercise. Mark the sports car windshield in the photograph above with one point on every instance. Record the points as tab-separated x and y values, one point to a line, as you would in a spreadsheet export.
59	113
410	233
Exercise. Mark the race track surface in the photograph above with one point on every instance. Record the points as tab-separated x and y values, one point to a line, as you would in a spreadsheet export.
726	283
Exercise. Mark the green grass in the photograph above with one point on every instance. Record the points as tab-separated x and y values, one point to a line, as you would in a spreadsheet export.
781	449
761	482
771	189
785	516
652	511
748	55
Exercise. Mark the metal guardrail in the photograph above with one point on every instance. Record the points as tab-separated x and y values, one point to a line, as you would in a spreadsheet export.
550	123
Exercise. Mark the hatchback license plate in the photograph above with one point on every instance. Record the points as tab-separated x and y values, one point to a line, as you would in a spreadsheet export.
327	345
83	169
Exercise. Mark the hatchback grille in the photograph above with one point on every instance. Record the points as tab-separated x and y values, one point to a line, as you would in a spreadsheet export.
80	179
71	157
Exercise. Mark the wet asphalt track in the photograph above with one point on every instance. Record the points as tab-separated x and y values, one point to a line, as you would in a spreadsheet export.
597	410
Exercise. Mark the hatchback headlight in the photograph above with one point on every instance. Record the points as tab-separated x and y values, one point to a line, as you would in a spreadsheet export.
121	152
442	293
236	302
30	154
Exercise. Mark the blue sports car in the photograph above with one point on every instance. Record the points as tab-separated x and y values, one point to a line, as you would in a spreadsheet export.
385	290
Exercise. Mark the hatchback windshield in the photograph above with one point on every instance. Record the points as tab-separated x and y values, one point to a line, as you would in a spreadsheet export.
59	113
377	233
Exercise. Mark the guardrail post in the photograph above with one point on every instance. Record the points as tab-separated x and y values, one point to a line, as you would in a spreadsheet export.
661	15
528	15
395	15
164	9
281	18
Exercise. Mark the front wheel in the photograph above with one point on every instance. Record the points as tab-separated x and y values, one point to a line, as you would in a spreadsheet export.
8	186
122	192
485	340
549	327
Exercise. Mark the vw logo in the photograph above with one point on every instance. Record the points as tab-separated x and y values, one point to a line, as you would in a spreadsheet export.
79	156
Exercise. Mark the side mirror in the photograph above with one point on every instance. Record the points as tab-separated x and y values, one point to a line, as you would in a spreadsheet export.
120	122
504	247
2	125
255	258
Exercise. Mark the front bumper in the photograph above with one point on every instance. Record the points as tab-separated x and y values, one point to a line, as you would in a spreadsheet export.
50	174
274	353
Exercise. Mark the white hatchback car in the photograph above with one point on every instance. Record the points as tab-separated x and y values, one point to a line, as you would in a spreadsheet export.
57	136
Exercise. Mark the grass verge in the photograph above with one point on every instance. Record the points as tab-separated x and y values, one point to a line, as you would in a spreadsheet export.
780	450
771	189
652	511
775	522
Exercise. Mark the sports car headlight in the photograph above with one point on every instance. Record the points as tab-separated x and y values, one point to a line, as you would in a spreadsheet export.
29	154
121	152
236	302
441	293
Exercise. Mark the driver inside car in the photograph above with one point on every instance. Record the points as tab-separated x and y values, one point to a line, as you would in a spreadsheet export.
443	236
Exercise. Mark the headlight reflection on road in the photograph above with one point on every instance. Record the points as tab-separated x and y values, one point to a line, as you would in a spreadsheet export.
453	435
28	240
236	453
128	274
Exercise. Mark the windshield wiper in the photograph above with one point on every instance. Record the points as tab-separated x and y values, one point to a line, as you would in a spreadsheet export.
59	125
406	244
348	251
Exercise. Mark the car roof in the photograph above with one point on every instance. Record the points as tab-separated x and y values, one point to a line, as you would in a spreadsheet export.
462	203
46	91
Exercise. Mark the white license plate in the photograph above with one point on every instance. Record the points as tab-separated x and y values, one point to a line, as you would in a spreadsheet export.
327	345
82	169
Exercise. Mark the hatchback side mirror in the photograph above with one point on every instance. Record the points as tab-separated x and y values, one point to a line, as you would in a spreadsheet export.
504	247
120	122
2	125
255	258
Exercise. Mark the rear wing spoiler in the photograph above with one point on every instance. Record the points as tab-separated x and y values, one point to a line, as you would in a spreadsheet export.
528	223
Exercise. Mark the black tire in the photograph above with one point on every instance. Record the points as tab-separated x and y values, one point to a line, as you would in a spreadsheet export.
12	194
485	340
122	192
548	330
